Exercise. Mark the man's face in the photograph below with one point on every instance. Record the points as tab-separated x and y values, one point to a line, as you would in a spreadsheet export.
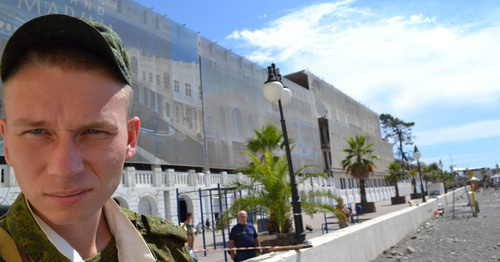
242	218
67	136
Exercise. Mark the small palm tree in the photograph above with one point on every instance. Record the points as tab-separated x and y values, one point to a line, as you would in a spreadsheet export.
395	175
267	138
359	162
413	173
270	190
270	187
425	175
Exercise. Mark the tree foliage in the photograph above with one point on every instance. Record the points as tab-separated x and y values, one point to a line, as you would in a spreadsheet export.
267	138
413	174
270	188
359	161
396	174
397	131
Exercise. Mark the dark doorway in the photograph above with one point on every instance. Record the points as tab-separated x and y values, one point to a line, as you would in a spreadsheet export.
183	209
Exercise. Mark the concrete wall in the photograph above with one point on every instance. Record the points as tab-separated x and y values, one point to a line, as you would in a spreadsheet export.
367	240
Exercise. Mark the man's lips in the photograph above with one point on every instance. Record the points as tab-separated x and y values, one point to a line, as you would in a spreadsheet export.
69	197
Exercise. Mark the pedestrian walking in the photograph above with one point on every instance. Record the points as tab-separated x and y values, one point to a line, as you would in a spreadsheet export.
243	235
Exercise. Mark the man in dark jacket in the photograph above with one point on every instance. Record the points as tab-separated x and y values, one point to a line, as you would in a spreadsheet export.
243	235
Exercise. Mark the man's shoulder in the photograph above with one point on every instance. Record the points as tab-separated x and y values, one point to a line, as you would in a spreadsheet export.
249	225
155	226
165	239
3	222
237	227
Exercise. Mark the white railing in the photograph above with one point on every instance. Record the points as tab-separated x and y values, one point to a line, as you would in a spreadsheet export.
143	178
171	178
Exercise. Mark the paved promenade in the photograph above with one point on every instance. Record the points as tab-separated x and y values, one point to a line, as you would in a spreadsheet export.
383	207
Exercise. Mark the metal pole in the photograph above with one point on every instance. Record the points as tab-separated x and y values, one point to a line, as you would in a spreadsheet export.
213	220
474	213
453	185
421	184
178	206
300	235
202	220
442	175
220	215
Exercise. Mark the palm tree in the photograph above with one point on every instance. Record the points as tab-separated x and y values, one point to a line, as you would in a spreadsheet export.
425	175
270	187
395	175
359	163
267	138
413	173
270	190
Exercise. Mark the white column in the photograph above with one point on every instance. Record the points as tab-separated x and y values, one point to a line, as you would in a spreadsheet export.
157	177
170	177
130	176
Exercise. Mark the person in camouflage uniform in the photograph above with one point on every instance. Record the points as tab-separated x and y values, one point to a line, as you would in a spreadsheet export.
67	132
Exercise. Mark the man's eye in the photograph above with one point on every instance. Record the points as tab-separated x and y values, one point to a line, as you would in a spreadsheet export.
93	131
36	131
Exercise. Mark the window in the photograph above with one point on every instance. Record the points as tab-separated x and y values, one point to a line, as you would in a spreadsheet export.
176	86
166	81
177	114
188	89
189	116
237	123
158	80
167	109
152	99
151	77
222	122
134	66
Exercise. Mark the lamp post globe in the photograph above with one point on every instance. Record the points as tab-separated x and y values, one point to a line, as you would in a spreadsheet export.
274	92
417	155
286	96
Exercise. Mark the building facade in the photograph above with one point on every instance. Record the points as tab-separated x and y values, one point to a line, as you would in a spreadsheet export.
199	103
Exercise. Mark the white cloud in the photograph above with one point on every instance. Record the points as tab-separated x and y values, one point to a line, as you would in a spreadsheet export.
467	132
393	64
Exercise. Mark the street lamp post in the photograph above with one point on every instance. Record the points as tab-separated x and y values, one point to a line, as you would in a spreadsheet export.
274	91
417	155
442	174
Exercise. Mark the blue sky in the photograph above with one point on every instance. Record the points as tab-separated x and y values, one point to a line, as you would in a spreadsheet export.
433	62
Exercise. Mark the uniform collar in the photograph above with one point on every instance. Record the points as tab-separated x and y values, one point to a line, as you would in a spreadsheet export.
131	246
40	242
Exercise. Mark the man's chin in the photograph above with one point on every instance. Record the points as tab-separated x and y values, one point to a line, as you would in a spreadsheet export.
65	216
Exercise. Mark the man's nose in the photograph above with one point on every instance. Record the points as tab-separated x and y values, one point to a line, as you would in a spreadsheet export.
65	158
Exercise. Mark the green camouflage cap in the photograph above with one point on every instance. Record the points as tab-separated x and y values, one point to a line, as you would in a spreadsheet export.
64	29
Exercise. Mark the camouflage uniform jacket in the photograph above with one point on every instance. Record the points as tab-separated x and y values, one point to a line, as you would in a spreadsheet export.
164	239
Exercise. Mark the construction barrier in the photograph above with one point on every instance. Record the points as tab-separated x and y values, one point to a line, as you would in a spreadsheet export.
269	248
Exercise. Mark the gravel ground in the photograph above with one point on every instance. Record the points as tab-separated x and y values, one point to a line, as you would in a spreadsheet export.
463	238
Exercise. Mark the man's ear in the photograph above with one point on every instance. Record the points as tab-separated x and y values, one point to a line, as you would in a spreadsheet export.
3	130
133	126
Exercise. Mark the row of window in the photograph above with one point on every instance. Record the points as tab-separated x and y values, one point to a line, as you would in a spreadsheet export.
149	77
354	183
166	83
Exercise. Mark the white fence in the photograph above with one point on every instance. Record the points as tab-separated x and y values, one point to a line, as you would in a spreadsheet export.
185	181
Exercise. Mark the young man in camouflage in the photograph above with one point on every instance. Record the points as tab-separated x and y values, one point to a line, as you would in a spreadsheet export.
67	131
